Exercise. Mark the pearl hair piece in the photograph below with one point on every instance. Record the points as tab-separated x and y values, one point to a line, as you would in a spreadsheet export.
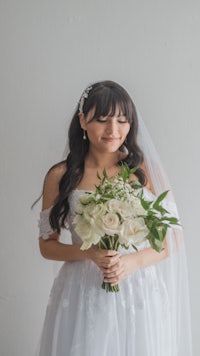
83	97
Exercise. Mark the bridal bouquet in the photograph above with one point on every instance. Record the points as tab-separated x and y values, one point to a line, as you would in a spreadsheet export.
117	214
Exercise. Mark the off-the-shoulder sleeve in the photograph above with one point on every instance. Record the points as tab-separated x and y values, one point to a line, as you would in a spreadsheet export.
45	228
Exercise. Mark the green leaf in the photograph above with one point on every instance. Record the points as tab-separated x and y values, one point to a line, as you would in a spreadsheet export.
155	243
160	209
105	173
146	204
172	220
98	175
126	171
135	184
151	213
164	230
133	170
161	197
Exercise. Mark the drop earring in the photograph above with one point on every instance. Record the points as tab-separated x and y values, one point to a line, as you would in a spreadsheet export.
84	135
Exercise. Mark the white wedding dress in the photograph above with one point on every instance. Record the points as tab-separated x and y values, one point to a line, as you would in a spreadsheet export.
82	319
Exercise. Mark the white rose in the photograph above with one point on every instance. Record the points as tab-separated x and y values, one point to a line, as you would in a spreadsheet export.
79	208
89	234
133	231
110	224
125	210
92	211
137	208
113	205
120	207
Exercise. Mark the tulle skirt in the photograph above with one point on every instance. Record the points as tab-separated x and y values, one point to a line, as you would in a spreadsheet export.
82	319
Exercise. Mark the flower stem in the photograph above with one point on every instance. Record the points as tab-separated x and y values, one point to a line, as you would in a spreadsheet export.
109	288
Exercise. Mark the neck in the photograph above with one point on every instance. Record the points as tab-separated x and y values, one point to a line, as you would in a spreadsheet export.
101	160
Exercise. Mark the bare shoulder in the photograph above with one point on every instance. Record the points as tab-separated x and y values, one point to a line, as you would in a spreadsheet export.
57	171
55	174
51	184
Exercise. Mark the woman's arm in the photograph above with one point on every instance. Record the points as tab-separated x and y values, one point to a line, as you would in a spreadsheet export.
52	248
129	263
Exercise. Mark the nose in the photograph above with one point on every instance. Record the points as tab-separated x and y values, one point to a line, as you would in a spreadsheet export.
111	127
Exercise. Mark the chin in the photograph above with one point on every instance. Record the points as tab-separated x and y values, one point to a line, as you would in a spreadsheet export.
110	150
112	147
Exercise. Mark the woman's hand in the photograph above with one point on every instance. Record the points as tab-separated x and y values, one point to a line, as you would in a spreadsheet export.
120	270
104	259
129	263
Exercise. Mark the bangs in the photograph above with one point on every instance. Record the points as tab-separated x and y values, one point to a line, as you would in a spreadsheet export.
109	103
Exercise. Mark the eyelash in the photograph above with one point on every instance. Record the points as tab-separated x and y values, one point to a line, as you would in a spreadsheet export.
119	121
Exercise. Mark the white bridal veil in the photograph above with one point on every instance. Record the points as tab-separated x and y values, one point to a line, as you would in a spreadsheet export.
174	267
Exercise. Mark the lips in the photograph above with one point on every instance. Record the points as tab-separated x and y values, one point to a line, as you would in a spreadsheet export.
110	139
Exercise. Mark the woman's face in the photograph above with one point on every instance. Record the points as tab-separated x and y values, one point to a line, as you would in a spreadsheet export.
106	134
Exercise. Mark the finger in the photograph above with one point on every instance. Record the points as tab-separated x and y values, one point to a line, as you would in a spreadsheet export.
112	281
111	275
115	276
111	253
108	263
112	269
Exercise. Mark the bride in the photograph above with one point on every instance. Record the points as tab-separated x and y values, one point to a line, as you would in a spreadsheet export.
149	316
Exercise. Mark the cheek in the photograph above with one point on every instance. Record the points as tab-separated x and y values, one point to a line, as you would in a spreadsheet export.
94	128
93	131
126	130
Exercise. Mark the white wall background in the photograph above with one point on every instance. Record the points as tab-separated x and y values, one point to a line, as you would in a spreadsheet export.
50	51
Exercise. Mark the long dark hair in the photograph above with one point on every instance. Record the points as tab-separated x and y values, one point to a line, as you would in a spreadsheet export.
104	98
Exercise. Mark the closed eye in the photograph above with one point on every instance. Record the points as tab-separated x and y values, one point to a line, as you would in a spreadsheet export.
120	119
101	120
